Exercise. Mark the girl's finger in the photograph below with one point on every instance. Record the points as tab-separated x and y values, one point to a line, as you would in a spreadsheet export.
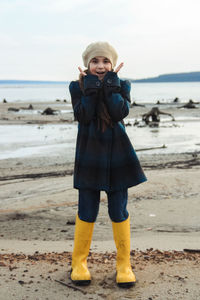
119	67
81	71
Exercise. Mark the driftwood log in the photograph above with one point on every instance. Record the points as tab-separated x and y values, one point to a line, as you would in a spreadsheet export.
30	107
13	109
153	114
190	104
49	111
135	104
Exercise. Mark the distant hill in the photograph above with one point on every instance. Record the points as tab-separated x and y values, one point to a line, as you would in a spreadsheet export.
176	77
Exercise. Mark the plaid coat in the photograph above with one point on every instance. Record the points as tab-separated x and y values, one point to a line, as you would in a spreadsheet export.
104	160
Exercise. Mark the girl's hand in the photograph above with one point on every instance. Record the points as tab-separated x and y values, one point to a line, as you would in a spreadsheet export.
82	72
119	67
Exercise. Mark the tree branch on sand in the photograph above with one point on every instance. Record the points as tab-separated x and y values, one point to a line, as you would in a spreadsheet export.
153	114
190	104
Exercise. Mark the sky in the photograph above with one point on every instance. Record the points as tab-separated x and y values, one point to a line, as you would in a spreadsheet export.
45	39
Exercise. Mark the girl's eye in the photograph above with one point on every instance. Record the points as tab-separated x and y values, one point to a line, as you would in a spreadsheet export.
106	61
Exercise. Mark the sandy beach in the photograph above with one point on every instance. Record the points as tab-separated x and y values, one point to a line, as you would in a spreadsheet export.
37	213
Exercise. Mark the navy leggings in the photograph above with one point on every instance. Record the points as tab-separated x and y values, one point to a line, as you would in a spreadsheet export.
88	206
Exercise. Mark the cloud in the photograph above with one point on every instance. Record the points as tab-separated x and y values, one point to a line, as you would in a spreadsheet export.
151	36
45	6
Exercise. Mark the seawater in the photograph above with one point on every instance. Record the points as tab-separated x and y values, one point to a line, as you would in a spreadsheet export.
60	139
140	92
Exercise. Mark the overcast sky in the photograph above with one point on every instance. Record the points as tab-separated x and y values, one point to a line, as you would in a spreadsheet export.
44	39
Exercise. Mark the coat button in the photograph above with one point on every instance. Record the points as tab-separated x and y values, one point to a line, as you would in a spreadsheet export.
98	83
109	81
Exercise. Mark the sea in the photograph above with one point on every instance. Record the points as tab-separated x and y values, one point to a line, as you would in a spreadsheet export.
48	140
140	92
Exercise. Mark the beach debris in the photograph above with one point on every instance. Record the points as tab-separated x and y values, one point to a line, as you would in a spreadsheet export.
4	100
128	122
57	100
13	109
131	122
37	175
136	122
71	286
153	114
178	164
192	250
49	111
152	148
64	100
135	104
27	108
70	222
158	102
189	104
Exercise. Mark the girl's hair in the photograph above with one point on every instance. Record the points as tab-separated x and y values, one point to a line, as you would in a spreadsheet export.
80	80
103	117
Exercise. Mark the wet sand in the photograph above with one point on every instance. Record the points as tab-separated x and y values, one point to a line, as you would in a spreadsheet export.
23	116
38	206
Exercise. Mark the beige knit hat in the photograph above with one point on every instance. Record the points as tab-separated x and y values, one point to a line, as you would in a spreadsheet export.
99	49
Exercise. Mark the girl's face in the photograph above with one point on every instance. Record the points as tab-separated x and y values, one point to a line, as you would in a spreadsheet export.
100	65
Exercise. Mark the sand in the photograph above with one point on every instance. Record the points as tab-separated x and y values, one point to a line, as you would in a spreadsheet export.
37	212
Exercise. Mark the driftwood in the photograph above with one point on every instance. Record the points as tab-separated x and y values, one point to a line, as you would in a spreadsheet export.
180	164
154	115
37	175
190	104
71	286
151	148
30	107
135	104
49	111
192	250
13	109
27	108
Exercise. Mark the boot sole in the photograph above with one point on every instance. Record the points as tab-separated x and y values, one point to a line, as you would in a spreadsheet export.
126	284
81	282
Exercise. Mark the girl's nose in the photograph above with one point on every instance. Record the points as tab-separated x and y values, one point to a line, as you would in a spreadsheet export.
100	65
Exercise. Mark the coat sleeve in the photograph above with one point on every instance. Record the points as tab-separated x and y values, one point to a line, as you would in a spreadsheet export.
84	103
117	96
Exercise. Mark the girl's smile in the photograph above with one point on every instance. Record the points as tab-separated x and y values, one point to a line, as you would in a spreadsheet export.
99	66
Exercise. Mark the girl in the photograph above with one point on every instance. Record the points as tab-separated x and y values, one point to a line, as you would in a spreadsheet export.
105	159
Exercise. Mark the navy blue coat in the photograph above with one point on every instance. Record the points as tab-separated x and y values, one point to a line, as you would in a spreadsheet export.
104	160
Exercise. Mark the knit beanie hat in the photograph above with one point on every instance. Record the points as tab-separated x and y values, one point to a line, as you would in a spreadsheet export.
99	49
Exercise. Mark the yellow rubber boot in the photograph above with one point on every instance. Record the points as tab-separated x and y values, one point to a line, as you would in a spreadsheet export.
121	231
80	274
